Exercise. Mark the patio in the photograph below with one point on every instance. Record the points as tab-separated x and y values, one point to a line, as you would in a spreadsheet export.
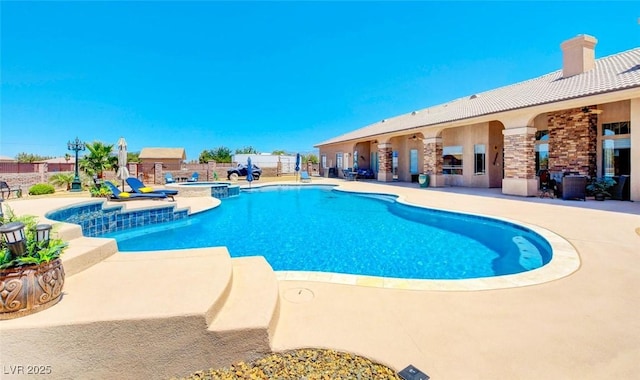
584	325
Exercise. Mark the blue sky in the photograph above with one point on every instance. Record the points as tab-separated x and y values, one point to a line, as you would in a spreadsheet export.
271	75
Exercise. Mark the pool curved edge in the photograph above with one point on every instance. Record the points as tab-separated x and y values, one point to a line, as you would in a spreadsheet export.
564	261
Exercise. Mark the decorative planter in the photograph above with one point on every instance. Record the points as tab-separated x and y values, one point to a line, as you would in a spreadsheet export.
599	197
28	289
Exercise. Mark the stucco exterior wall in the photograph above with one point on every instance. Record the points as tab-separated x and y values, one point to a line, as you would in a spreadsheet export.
364	158
495	157
331	152
634	107
467	137
403	146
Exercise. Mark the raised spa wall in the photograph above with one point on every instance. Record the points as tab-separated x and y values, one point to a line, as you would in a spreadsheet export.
97	220
220	190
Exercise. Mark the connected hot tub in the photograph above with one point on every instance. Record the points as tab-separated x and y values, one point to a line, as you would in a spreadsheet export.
218	190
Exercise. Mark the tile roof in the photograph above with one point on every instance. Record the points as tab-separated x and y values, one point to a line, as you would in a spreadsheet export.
173	153
613	73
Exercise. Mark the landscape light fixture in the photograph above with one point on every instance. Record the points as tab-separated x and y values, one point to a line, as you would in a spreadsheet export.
412	373
43	233
13	234
76	146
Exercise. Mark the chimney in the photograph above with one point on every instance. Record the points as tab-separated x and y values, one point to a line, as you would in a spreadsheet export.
578	55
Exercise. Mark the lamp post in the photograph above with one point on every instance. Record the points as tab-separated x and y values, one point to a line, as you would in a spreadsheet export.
76	146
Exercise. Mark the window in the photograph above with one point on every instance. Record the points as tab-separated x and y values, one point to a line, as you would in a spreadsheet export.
542	150
479	159
452	159
339	160
612	129
324	160
616	149
374	161
394	164
413	161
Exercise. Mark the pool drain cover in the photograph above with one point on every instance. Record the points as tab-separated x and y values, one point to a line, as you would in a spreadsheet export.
298	295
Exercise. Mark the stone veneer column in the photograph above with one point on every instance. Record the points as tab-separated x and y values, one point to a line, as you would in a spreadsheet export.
385	162
432	165
43	169
211	170
133	169
573	137
157	173
519	162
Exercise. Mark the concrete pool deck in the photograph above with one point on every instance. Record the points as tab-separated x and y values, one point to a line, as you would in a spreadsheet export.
583	325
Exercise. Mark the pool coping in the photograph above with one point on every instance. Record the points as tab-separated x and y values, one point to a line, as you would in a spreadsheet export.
565	260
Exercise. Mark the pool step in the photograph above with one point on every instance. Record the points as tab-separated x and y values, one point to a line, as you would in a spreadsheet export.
84	252
249	313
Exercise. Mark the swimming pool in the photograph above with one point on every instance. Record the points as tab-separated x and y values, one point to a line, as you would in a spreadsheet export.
316	228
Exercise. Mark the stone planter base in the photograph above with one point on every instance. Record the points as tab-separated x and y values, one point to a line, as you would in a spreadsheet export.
29	289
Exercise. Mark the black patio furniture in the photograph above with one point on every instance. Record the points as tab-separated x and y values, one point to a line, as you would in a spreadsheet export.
622	189
574	187
5	190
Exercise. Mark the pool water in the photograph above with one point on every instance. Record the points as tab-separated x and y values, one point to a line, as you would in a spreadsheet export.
316	228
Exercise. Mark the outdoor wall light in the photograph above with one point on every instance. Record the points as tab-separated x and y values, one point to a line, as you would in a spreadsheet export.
43	233
588	110
13	234
412	373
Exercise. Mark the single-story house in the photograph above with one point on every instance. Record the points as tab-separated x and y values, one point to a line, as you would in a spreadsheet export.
173	157
574	120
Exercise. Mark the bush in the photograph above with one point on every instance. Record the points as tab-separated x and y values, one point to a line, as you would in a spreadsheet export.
102	191
41	188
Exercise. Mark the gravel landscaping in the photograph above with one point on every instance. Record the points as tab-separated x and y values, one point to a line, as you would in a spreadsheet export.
310	364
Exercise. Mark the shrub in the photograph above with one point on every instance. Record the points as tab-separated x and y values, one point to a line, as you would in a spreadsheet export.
41	188
601	186
102	191
62	180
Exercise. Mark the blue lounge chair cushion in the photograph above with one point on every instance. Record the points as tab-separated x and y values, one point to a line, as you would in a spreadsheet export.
116	194
139	188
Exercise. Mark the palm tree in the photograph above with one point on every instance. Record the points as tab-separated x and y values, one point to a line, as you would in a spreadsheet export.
62	180
99	159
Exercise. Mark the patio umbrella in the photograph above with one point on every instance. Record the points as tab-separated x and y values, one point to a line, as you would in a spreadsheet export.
297	165
123	172
249	171
355	160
